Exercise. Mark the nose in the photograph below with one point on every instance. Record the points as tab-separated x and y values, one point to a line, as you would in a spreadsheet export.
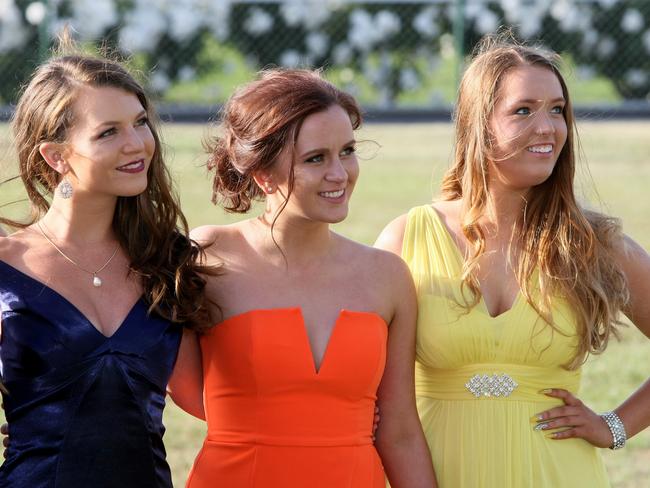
336	171
544	123
134	141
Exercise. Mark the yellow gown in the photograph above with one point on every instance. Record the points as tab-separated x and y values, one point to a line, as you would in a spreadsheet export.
478	378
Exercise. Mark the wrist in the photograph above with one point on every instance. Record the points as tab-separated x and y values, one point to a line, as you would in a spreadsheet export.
617	429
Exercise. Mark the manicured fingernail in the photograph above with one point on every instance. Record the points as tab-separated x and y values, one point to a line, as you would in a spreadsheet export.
550	435
537	417
541	426
546	391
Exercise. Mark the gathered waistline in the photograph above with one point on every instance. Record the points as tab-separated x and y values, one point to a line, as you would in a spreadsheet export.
493	381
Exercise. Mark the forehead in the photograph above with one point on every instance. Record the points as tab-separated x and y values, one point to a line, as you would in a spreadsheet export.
529	83
325	126
95	105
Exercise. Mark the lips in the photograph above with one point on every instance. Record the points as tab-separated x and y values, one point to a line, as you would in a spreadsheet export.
132	167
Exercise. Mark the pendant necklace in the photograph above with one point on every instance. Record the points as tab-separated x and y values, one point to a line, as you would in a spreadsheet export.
97	281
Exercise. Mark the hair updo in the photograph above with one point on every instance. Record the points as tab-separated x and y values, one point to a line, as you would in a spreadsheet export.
258	122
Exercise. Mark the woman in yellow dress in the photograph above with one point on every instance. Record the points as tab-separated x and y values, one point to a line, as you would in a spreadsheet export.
517	284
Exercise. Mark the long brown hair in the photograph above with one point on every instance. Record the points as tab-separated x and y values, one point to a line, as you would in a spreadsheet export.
571	248
150	227
260	121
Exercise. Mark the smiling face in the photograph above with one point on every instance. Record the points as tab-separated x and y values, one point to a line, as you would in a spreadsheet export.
110	146
325	168
528	127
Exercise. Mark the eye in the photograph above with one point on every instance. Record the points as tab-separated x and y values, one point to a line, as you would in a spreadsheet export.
523	111
142	121
348	151
316	158
107	132
558	109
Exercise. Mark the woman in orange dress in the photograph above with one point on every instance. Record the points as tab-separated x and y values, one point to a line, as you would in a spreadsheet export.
315	329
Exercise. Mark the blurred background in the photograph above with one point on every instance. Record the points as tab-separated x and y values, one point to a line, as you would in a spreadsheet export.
399	55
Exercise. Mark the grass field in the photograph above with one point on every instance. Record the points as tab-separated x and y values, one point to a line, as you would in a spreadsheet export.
404	172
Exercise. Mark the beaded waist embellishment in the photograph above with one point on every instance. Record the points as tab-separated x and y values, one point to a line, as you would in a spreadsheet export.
495	385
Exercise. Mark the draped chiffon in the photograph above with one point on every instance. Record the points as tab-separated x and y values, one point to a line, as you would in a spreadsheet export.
489	441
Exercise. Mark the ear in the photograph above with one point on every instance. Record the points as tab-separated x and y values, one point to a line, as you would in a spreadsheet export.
264	179
52	153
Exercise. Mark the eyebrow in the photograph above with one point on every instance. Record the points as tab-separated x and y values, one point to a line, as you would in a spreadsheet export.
531	101
117	122
323	149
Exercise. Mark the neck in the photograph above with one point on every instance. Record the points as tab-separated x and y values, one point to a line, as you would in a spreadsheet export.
504	206
81	222
303	242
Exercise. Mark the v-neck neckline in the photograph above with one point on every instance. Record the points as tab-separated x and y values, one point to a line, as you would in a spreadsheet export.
297	311
75	308
460	259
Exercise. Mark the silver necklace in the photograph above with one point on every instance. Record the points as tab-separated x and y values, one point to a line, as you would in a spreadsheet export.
97	281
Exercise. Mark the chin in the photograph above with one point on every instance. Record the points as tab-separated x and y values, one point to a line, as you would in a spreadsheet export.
132	190
332	218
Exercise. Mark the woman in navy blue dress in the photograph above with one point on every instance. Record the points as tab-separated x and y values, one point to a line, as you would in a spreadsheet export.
96	288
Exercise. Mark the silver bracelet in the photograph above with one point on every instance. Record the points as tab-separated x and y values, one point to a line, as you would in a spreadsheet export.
617	429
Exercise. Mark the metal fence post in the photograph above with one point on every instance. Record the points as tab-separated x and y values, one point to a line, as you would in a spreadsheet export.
44	34
459	37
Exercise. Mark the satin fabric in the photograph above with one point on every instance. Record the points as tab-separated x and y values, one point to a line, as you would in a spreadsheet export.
489	442
84	410
274	421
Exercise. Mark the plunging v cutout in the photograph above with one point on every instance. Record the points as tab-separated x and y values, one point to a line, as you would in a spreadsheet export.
316	366
461	259
72	306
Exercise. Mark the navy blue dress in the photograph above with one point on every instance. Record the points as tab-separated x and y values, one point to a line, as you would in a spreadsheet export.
84	410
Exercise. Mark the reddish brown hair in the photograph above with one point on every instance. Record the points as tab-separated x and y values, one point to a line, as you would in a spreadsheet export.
261	120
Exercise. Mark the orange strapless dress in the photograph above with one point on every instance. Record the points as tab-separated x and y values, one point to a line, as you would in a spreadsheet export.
274	420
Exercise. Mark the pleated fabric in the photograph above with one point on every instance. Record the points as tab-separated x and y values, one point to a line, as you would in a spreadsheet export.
488	441
84	410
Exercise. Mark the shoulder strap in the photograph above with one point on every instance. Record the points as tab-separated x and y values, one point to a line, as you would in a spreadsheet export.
429	250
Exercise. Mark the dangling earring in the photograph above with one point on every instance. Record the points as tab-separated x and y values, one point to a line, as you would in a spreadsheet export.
65	188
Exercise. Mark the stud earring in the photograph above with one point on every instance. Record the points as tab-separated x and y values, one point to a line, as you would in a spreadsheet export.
65	188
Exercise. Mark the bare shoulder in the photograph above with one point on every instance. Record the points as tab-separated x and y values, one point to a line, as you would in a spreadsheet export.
206	235
381	264
13	246
391	237
5	247
630	255
216	237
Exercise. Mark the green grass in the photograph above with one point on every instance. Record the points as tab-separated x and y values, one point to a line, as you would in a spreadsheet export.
404	172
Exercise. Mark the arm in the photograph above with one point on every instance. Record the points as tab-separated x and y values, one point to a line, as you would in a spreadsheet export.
635	262
186	383
577	418
400	441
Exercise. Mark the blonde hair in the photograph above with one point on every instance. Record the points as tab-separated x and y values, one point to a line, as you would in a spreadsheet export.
572	249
